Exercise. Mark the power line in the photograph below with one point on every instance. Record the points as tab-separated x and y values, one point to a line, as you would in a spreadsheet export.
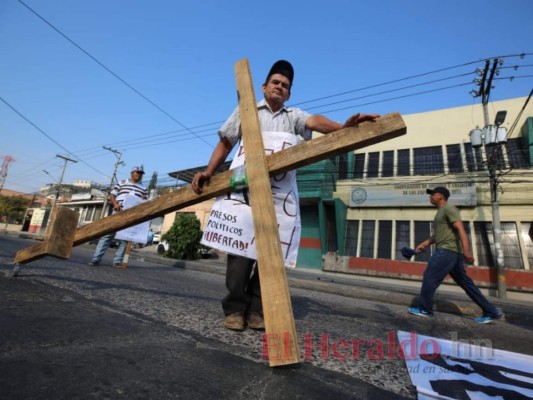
521	55
110	71
45	134
164	136
392	90
137	143
143	141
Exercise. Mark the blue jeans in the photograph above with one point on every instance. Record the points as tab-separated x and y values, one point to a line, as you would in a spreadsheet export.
103	245
442	263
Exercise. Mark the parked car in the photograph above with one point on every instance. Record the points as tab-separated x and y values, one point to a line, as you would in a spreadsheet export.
203	251
157	238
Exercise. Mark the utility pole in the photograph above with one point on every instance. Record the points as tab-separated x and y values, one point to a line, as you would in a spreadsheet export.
493	153
3	170
66	159
117	154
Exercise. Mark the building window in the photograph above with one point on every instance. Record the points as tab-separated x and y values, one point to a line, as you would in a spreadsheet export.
422	232
387	168
359	166
517	154
89	217
527	236
352	234
509	242
455	161
367	239
403	235
385	239
373	165
403	162
470	165
428	160
511	246
474	158
343	166
484	243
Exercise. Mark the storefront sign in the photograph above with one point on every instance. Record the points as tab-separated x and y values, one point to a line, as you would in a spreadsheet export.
410	195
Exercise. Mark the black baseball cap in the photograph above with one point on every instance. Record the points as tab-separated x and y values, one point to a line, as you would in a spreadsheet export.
281	67
439	189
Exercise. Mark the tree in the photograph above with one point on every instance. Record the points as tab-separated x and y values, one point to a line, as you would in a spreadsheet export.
153	182
183	237
12	208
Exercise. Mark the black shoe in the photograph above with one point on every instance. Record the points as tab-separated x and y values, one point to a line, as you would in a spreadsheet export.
94	263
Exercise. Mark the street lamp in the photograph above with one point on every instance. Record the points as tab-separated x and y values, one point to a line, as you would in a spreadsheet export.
492	138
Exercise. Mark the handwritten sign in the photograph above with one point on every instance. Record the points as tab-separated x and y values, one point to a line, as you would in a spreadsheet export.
137	233
230	225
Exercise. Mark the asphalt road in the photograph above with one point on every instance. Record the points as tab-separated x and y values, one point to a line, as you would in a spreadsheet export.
154	331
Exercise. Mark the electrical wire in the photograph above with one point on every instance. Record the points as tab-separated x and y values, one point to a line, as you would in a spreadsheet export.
109	70
521	55
144	142
46	135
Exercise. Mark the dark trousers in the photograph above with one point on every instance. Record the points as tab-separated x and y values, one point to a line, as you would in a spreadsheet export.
442	263
242	282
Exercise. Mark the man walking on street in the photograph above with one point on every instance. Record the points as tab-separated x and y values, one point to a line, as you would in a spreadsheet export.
453	249
132	186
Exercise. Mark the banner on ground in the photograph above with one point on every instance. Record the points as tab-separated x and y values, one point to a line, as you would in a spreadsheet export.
447	369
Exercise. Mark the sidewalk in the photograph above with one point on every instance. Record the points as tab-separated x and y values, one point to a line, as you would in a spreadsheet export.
400	293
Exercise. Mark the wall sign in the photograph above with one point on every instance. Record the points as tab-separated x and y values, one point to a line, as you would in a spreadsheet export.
410	194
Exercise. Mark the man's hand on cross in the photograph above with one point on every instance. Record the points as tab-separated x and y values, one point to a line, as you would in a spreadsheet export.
198	181
358	118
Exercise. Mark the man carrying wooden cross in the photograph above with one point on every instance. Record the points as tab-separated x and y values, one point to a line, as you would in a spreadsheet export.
280	126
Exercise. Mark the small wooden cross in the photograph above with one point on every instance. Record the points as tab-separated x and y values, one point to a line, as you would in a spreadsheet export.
280	333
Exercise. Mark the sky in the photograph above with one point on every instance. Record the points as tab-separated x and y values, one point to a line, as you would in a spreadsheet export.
153	80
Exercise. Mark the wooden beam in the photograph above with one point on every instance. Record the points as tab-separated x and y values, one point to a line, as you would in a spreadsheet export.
341	141
277	309
58	239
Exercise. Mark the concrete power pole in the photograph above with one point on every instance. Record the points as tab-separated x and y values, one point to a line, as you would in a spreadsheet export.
66	159
3	170
117	154
493	153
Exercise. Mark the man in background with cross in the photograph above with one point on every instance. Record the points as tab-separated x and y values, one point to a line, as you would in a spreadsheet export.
242	306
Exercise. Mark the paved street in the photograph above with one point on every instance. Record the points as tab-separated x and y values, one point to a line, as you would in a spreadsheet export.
70	331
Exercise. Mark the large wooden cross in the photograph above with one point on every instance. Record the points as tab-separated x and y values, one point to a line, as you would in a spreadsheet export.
280	340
